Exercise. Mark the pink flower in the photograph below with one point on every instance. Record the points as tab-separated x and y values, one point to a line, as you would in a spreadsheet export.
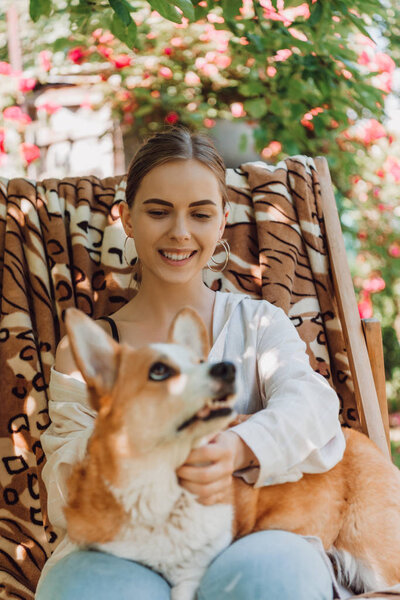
271	71
392	166
106	38
283	55
223	61
394	250
237	109
5	68
105	51
272	149
171	118
30	152
26	84
77	54
44	58
373	131
14	113
192	78
365	306
49	107
2	140
363	59
176	42
384	62
208	123
299	35
167	51
166	72
373	284
97	33
121	61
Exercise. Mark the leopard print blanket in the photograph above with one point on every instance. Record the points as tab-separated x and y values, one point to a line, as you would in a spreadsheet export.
61	245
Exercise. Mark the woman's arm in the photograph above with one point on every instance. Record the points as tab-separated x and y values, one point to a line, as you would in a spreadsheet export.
64	441
298	430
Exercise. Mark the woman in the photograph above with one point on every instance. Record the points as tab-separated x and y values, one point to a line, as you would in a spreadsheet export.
176	212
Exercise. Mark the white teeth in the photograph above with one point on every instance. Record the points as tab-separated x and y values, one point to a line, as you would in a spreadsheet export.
175	256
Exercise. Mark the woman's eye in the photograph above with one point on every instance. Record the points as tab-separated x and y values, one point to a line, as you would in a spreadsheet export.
201	216
156	213
159	371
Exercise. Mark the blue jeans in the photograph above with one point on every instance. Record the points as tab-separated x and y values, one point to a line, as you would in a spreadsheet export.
268	565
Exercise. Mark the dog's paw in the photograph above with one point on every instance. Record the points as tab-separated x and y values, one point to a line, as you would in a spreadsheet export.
184	591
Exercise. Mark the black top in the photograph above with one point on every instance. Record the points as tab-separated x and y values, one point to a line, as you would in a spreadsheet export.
113	326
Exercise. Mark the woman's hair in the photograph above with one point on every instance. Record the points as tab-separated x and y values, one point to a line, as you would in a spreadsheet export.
171	144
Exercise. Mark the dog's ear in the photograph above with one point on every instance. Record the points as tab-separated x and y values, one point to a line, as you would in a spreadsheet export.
94	351
188	329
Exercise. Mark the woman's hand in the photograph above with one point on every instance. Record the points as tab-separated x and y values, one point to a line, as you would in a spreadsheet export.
207	472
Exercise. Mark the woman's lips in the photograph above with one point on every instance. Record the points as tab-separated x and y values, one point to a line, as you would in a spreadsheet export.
176	263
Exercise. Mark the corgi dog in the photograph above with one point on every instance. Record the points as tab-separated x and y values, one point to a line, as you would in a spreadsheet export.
154	405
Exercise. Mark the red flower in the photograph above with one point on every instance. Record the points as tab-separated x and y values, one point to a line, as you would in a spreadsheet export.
44	57
365	306
26	84
171	118
77	54
30	152
49	107
5	68
14	113
121	61
2	139
168	51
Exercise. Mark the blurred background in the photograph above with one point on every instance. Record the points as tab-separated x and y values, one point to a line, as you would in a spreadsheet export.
82	82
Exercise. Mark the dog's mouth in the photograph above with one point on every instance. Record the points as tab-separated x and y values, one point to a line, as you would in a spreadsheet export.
220	407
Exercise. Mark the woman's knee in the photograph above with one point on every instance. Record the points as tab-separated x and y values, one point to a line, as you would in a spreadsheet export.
94	575
268	565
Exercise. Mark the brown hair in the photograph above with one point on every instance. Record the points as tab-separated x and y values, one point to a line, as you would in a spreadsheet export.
171	144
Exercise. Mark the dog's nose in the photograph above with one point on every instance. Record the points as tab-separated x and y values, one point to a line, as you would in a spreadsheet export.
224	370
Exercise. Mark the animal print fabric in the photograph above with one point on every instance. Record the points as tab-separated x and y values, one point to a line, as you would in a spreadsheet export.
62	245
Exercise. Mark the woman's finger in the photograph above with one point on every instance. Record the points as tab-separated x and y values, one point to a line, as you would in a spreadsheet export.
207	474
203	492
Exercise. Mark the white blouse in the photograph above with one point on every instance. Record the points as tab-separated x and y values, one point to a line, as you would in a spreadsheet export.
295	428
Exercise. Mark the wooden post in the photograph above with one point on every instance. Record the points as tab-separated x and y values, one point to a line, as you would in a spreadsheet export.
373	339
364	386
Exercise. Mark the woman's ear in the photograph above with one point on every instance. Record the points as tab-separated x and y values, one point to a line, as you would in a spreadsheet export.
223	224
126	220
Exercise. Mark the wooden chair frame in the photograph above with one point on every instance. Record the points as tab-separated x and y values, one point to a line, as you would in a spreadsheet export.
363	337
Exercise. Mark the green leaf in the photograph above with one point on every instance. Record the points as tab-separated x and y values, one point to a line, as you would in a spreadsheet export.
37	8
187	8
166	10
316	14
231	9
252	88
121	10
256	107
126	34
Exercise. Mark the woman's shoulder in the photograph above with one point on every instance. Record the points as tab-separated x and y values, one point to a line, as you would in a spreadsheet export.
252	304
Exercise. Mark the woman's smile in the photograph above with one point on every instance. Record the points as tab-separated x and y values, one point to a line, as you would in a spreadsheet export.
173	258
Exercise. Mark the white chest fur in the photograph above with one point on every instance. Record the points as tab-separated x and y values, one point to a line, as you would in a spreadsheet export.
169	531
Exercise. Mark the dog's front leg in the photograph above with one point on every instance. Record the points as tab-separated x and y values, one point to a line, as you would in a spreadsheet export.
185	590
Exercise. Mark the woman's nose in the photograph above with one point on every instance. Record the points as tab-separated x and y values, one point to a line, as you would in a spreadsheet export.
180	228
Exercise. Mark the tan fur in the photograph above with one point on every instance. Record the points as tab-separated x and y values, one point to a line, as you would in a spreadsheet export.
354	508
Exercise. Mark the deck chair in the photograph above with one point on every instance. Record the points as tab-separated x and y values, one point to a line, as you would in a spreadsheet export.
61	245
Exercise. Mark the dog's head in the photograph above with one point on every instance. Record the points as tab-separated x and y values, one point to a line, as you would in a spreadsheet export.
147	397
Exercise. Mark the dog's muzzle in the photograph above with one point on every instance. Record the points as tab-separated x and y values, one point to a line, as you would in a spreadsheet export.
225	372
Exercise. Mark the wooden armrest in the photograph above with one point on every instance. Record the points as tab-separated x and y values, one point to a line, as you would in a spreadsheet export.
373	339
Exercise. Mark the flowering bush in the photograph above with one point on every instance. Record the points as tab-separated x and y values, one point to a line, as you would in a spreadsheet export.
306	76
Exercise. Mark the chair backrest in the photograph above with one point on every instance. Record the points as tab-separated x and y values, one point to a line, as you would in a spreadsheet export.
61	245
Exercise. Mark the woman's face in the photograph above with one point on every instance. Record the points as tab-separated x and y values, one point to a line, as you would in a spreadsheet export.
177	211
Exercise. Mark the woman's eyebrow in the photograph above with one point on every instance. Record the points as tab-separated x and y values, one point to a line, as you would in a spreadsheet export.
165	203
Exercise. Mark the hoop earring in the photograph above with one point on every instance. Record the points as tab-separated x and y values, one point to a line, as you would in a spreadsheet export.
221	266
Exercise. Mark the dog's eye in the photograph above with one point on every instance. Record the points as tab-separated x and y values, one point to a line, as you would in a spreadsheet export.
159	371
